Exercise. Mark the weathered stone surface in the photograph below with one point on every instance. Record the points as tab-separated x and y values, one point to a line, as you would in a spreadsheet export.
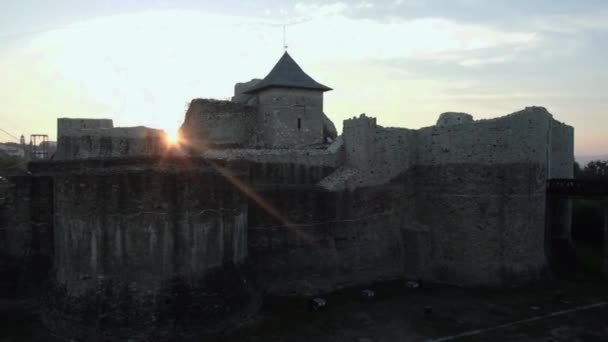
322	241
304	157
329	129
289	118
93	138
486	223
240	89
157	247
69	126
217	124
454	118
26	230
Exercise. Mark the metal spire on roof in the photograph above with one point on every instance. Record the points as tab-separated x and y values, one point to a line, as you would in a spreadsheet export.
284	37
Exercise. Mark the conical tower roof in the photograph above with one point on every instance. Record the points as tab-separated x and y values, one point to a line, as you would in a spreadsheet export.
287	74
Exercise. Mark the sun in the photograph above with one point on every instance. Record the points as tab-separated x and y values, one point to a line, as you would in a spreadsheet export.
172	138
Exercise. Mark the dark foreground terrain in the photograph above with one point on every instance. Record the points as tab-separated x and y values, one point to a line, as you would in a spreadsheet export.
565	311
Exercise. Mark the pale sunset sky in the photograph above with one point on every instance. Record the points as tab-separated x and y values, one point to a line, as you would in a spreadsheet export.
402	61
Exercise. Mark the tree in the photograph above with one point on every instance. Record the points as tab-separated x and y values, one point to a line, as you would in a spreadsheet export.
597	170
11	165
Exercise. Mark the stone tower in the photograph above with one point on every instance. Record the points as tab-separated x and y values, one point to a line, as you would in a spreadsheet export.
290	106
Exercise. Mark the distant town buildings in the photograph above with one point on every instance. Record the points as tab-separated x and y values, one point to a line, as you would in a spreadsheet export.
35	150
12	149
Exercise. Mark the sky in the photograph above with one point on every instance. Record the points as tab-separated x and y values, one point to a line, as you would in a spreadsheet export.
402	61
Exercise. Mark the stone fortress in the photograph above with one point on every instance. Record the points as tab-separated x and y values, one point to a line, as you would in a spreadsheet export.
262	197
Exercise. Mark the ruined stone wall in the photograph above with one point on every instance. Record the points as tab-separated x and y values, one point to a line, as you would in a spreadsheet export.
239	92
518	137
373	154
478	187
91	138
280	110
383	153
141	245
561	153
213	123
69	127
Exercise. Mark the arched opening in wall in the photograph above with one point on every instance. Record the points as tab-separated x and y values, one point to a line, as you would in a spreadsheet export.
299	124
576	231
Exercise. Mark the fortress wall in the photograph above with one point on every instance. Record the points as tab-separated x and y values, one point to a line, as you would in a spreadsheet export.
148	242
26	229
359	136
273	174
515	138
324	240
145	227
278	113
377	153
383	153
486	222
480	188
241	87
90	138
69	127
306	157
213	123
561	153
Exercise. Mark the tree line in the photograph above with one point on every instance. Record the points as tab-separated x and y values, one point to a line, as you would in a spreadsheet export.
594	170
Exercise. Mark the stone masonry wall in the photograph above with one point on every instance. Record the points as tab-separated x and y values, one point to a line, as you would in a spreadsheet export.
90	138
26	230
279	111
561	153
329	157
383	153
322	241
518	137
141	245
485	222
68	126
479	190
213	123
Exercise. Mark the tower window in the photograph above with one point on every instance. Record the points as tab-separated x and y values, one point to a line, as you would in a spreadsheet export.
299	124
